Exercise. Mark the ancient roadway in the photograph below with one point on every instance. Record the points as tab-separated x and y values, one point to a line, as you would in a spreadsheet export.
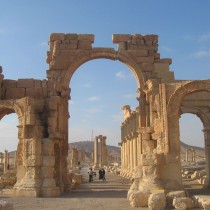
98	195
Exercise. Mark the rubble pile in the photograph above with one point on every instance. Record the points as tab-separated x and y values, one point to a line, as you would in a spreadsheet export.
8	179
195	171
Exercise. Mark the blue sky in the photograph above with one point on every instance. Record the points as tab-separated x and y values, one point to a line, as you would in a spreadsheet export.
101	87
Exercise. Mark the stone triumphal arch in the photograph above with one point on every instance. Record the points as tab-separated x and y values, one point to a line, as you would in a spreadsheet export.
150	141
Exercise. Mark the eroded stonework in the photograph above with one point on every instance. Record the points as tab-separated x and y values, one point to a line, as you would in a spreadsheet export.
150	134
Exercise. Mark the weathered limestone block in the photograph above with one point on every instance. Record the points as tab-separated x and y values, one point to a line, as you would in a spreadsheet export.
8	83
139	199
85	44
34	160
15	93
35	92
25	83
157	201
174	194
183	203
30	118
49	183
138	53
37	83
150	159
89	37
57	36
164	60
47	172
48	161
53	103
133	188
33	146
147	67
148	59
48	147
117	38
148	146
5	205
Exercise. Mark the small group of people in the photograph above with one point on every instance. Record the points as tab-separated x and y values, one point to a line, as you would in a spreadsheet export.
101	173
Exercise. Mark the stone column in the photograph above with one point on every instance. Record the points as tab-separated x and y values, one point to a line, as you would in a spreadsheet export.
131	156
128	156
123	160
193	155
135	152
103	151
5	160
1	158
206	131
74	160
186	155
15	160
96	164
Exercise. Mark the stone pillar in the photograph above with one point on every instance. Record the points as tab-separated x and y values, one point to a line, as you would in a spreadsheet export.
124	156
103	151
186	155
193	154
206	131
128	156
96	164
74	158
15	160
135	152
131	156
5	160
1	158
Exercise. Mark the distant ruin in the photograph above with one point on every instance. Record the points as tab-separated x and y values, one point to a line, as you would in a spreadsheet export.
150	141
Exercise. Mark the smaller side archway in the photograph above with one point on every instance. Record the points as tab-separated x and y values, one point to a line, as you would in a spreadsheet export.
8	107
176	107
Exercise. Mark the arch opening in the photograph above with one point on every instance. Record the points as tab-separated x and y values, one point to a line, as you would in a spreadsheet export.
8	149
98	91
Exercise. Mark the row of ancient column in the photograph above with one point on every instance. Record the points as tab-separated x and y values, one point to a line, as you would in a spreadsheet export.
4	160
77	157
103	161
188	153
131	146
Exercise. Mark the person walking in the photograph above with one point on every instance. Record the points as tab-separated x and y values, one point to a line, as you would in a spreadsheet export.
90	172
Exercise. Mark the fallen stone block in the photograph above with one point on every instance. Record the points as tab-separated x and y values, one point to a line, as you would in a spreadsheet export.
174	194
157	201
139	199
183	203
